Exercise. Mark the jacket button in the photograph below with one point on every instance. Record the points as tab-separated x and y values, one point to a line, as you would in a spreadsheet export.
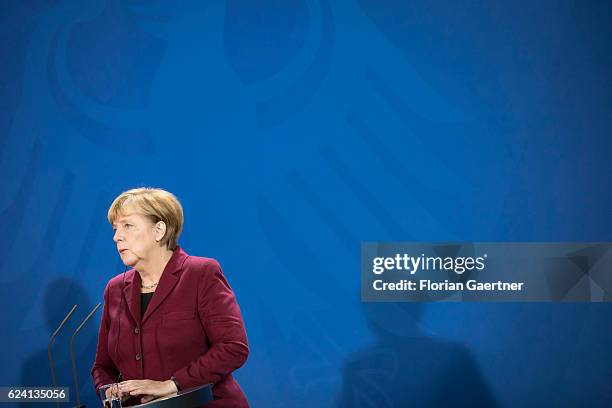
136	330
138	356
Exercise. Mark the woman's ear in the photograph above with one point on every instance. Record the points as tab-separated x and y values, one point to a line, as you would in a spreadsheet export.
160	230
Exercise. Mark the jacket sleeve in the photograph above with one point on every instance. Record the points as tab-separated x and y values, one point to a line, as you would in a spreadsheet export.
104	370
222	322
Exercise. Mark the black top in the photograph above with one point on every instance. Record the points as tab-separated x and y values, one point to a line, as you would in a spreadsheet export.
145	298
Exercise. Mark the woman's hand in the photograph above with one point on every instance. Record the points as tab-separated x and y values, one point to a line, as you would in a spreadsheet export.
149	388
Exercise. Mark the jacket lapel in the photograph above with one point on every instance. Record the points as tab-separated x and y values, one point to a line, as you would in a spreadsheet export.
131	292
168	280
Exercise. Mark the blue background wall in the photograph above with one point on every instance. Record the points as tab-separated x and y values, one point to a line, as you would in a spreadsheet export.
292	131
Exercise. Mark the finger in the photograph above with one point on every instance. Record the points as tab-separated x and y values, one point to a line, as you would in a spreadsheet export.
137	391
147	398
129	387
145	390
130	382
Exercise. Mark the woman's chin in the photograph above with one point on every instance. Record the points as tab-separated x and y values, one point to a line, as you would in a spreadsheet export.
128	260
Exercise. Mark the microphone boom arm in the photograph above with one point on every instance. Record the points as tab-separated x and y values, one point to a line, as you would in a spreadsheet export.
51	340
74	369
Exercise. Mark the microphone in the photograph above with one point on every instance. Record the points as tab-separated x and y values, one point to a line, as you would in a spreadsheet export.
74	369
51	340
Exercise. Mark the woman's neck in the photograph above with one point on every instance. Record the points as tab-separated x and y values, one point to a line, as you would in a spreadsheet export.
152	268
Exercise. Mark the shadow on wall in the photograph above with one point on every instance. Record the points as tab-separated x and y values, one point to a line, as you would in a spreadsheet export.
405	367
59	297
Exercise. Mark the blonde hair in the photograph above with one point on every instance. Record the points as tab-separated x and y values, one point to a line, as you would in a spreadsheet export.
157	205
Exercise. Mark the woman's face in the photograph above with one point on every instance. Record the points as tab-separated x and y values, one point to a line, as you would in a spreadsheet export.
135	236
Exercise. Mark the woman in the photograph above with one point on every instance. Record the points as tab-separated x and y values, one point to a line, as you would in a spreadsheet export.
172	321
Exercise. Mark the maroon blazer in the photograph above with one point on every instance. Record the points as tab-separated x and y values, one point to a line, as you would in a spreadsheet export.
192	330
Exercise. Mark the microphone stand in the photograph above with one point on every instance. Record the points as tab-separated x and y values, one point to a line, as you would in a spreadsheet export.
74	369
51	340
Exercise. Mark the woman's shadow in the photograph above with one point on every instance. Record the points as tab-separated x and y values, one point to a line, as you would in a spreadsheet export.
59	297
406	368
